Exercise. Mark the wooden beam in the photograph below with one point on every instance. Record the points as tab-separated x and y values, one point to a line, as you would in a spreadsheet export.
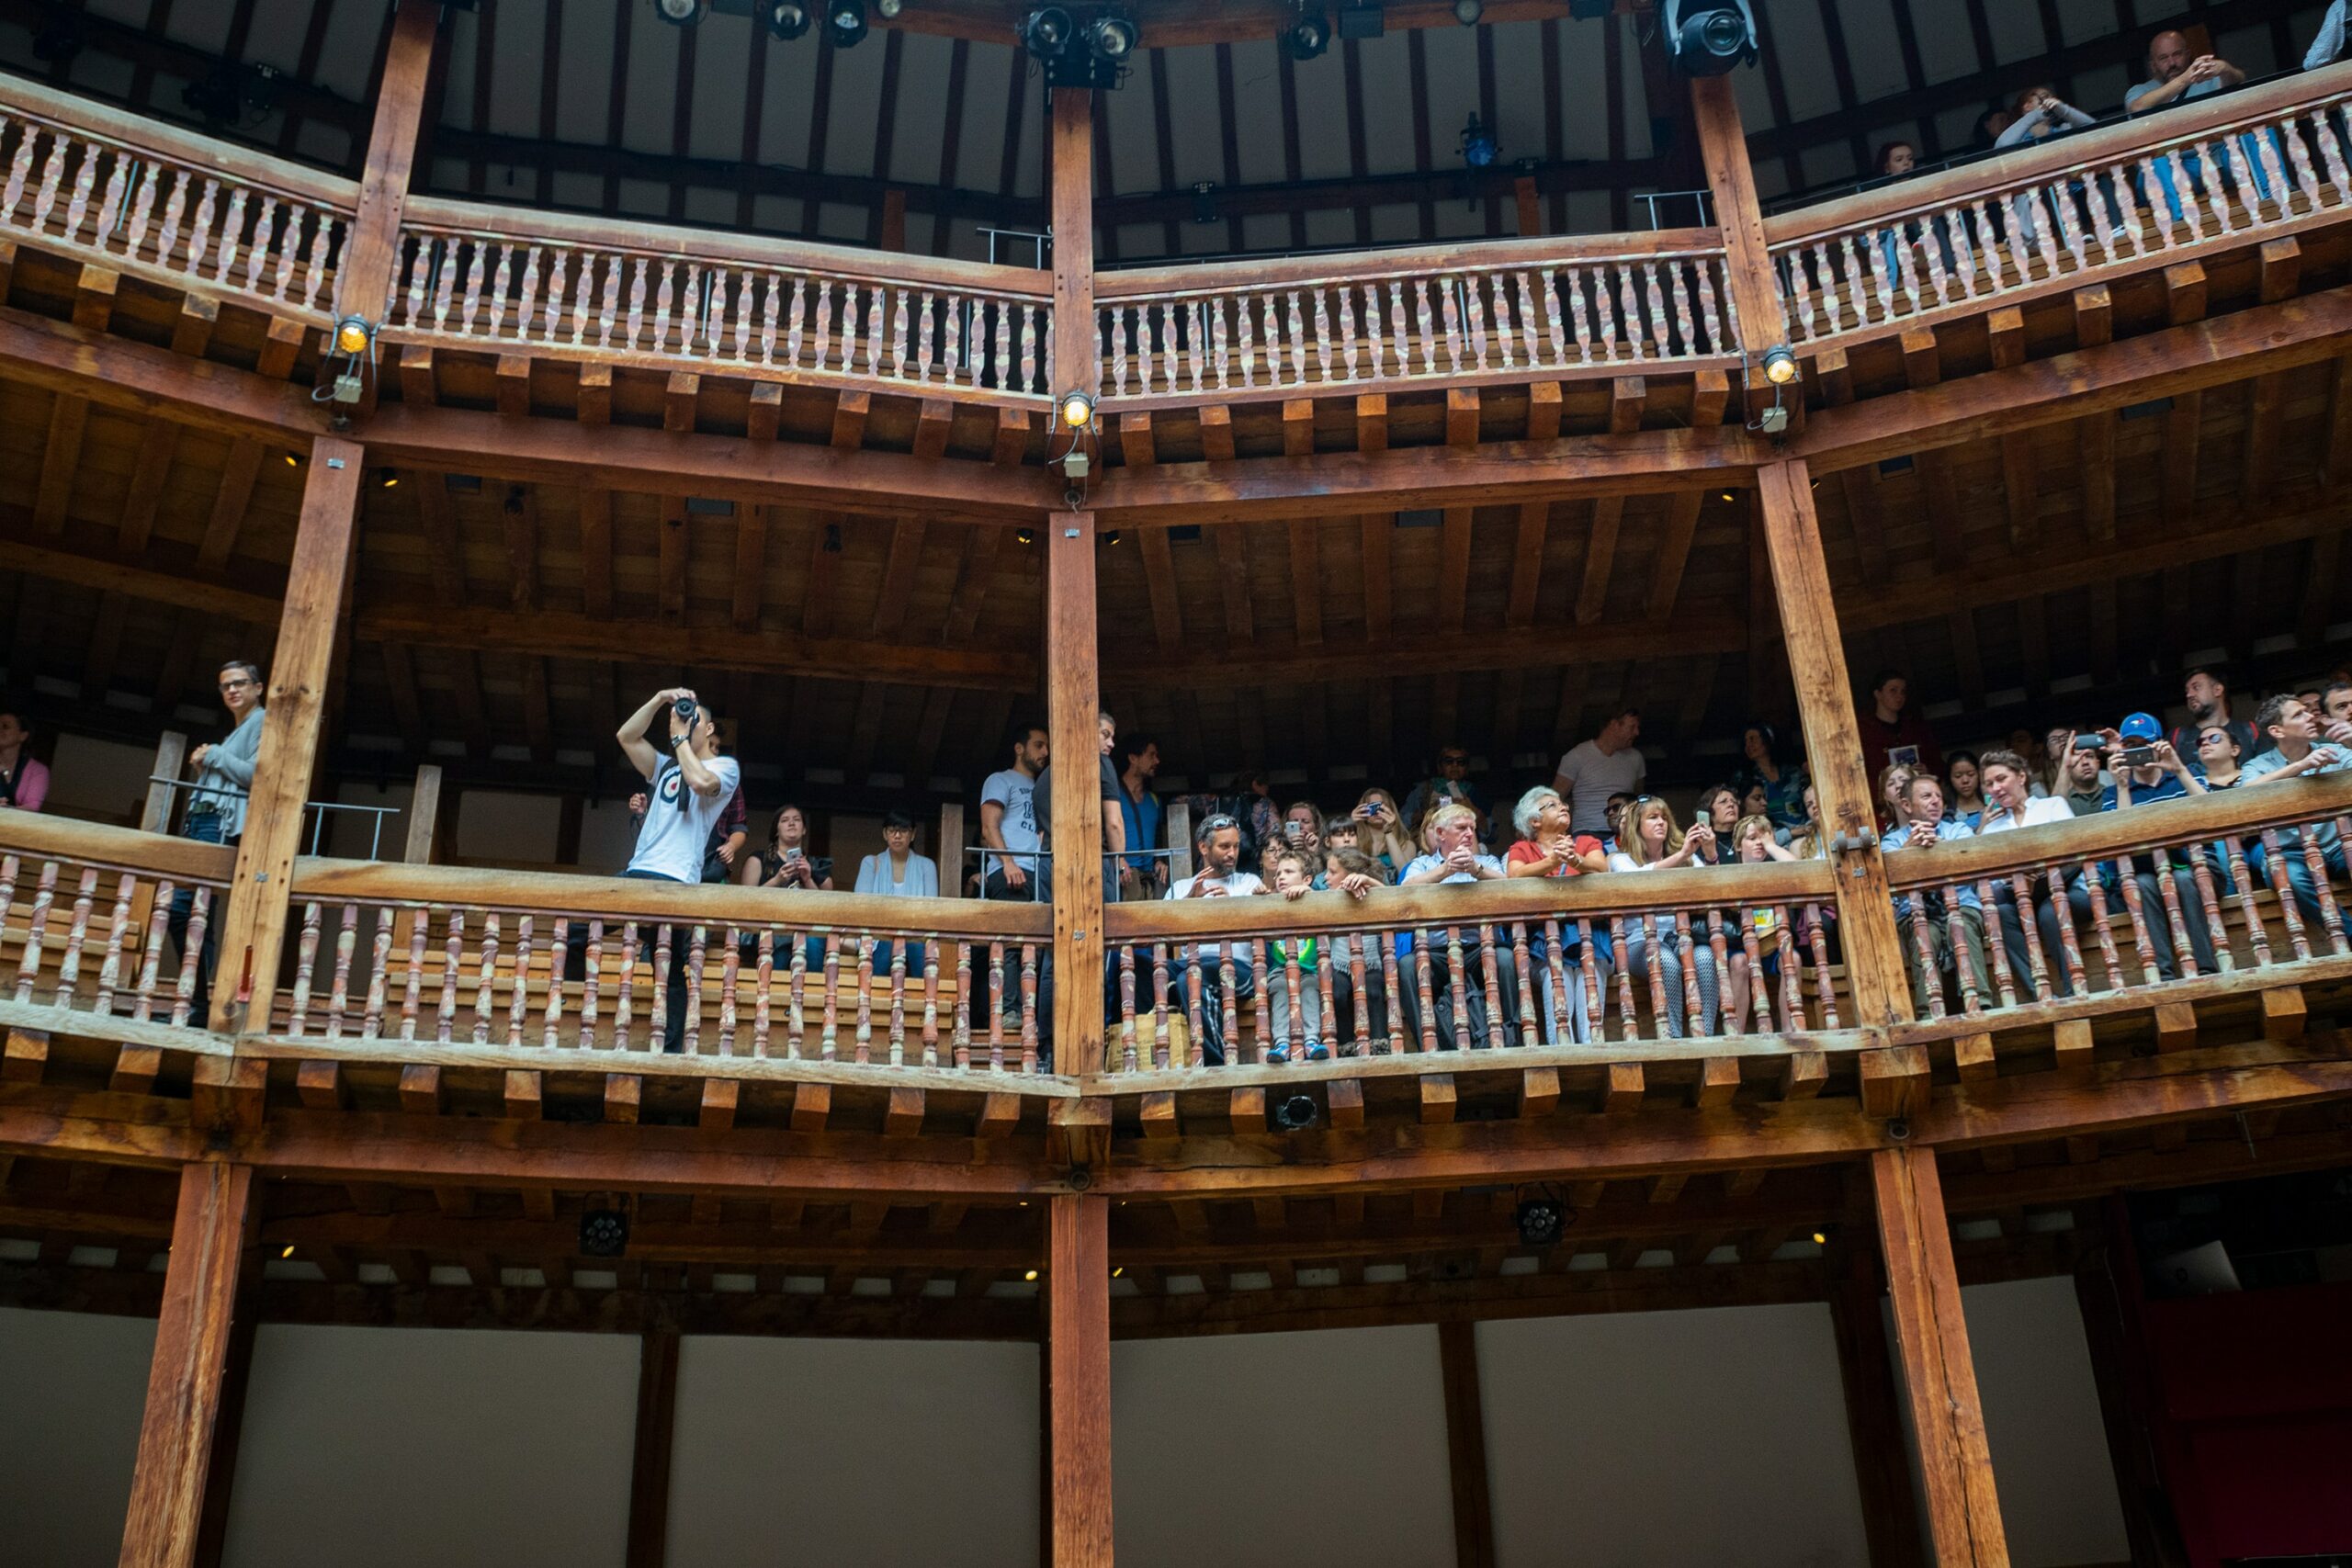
253	932
210	1229
1077	1360
1465	1444
650	1455
1940	1374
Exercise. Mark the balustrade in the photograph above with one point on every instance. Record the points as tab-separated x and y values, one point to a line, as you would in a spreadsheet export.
1520	309
137	195
2226	172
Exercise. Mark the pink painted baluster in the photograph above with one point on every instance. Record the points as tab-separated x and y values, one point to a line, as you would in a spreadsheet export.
2288	911
346	947
762	992
1997	947
697	946
1394	1042
36	928
559	960
519	999
731	967
2257	937
77	934
864	1051
418	921
1161	1005
1426	993
1029	1007
486	978
1825	995
658	1012
118	929
200	915
380	956
625	992
963	1046
152	958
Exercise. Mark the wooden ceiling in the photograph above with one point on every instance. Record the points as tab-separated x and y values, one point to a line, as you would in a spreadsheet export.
594	105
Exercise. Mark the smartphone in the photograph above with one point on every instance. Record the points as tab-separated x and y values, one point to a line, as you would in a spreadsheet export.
2137	756
1906	756
2087	743
1293	831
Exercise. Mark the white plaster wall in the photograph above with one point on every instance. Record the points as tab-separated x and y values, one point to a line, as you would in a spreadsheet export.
810	1454
1307	1450
374	1448
71	1388
2041	1420
1669	1438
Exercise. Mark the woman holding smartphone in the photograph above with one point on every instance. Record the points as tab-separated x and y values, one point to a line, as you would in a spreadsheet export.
1382	835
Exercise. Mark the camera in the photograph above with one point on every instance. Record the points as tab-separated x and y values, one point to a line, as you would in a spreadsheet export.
2136	756
687	711
2087	743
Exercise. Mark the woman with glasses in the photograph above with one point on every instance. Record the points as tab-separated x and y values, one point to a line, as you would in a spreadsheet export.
899	873
1651	841
216	806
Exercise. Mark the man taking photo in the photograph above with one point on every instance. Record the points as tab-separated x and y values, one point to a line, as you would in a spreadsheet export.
689	785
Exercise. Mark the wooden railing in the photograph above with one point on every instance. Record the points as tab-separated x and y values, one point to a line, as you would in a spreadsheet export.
1517	309
89	912
2230	883
1717	953
495	278
2223	172
449	955
139	196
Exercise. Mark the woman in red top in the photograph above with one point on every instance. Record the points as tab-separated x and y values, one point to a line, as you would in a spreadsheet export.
1546	848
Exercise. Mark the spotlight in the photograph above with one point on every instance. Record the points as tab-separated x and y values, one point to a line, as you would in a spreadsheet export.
1779	364
681	13
1025	536
1112	537
845	22
287	1253
1111	39
1540	1221
1308	37
787	19
292	460
351	334
1046	31
387	478
1293	1113
1078	409
1467	12
1821	1238
888	9
1707	38
351	350
1479	149
1119	1271
1031	1276
603	1233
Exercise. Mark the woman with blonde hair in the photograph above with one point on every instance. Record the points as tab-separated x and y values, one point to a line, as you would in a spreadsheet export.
1380	831
1649	839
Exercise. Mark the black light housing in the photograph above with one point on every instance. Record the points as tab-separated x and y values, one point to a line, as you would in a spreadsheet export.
1707	38
787	19
1293	1112
1046	31
1307	37
1541	1220
1110	37
1094	54
845	22
681	13
603	1233
1467	12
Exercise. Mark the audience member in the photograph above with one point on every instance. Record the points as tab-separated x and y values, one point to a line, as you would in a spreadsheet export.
1292	981
2296	752
1450	781
1142	875
2174	78
2040	115
1761	767
1009	819
1382	835
1216	850
1454	857
689	785
2328	44
1965	797
1605	765
2008	803
1719	809
1891	732
2207	697
216	810
2146	769
2336	713
786	862
1108	790
1547	846
899	873
24	778
1652	842
2081	787
1961	918
1894	793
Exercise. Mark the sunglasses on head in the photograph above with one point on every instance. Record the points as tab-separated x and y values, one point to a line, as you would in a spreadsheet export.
1218	823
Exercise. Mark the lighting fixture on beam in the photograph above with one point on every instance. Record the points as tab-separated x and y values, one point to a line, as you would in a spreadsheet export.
603	1233
1707	38
1479	149
845	22
787	19
1292	1112
888	9
1467	12
351	356
1095	54
1779	364
681	13
1541	1220
1309	36
1076	409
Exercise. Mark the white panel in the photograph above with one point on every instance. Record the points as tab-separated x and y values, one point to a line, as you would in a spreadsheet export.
1730	1423
1387	69
708	204
352	28
849	136
1311	1450
1258	110
276	35
204	24
2249	50
463	50
1629	63
516	68
1804	56
1323	116
105	778
1519	92
351	834
1395	224
501	826
722	74
1871	46
785	114
653	76
584	99
1584	82
2081	19
872	1452
1947	44
1191	114
2041	1419
577	188
2017	29
69	1433
364	1447
1331	226
921	131
1453	94
1754	97
606	836
980	163
1135	141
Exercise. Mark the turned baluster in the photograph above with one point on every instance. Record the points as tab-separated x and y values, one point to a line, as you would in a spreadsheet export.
829	1040
863	1051
36	928
657	1011
413	990
931	1003
899	1001
1391	991
1785	942
762	991
873	330
1523	975
2216	199
2129	889
1605	311
1627	1028
2315	863
1188	958
2257	936
1996	946
346	947
696	940
559	958
1161	1005
1245	349
624	988
20	169
1029	1007
199	916
486	978
1824	994
558	288
52	176
452	965
1693	1011
771	312
1759	984
996	1000
379	953
1661	1003
151	945
1267	980
1488	966
110	968
1450	311
1426	993
1564	1015
1923	950
445	283
519	999
1128	1061
69	967
2289	912
1358	978
964	1005
730	968
592	972
110	204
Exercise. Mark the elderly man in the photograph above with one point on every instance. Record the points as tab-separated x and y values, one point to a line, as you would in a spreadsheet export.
1217	844
1454	829
1955	931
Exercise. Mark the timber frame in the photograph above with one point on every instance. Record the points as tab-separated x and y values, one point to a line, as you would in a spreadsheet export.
861	1125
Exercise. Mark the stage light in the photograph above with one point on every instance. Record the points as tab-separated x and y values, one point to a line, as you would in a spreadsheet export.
1779	364
1078	409
351	334
888	9
603	1233
388	478
1307	37
351	350
1821	1238
1707	38
1540	1221
1479	149
287	1253
845	22
1110	37
681	13
1031	1276
1046	32
1293	1113
787	19
1467	12
1025	536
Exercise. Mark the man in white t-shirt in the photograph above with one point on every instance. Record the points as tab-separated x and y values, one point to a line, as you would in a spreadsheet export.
2007	781
688	785
1216	845
1605	765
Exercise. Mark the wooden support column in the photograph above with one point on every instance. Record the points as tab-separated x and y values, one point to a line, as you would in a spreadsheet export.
1465	1444
228	1425
171	755
1873	1416
363	281
1073	690
649	1477
253	932
1078	1374
1956	1465
209	1233
423	815
1833	741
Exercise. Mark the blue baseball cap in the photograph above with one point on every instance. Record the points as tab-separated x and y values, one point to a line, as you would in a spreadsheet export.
2140	727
